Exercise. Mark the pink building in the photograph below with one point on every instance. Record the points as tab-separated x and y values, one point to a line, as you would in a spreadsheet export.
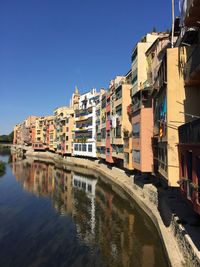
142	131
109	158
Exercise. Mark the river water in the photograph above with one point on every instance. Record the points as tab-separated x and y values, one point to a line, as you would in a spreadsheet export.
51	217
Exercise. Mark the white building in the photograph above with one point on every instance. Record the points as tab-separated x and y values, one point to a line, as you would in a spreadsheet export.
85	125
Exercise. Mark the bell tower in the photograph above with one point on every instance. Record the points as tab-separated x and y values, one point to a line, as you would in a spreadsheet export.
75	99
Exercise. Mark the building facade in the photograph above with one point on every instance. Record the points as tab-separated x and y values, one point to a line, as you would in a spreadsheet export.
141	108
189	162
64	126
189	133
119	119
85	125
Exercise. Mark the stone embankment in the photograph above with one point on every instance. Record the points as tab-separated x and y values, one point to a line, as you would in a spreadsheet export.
178	246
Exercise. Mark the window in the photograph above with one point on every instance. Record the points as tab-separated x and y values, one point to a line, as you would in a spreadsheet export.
118	93
134	80
182	165
119	149
67	129
189	165
76	147
103	133
89	188
108	151
136	156
79	147
84	147
136	130
67	138
84	185
126	158
67	147
103	150
162	158
89	148
119	110
118	131
99	137
108	134
98	150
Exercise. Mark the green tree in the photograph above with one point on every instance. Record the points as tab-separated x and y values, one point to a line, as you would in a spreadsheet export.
7	138
2	168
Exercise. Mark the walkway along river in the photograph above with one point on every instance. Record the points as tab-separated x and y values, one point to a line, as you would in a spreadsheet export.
56	217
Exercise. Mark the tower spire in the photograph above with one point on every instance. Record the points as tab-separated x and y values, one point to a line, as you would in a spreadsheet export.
76	90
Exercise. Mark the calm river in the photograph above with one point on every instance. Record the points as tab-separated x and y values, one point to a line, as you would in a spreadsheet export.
56	218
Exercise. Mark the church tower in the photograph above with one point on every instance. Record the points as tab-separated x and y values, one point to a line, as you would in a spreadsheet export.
75	99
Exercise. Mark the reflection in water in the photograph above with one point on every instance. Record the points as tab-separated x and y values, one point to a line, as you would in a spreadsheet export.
115	233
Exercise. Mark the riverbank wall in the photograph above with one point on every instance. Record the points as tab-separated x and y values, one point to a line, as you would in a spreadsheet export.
177	244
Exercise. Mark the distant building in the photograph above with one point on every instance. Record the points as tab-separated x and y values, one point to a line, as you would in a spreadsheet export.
41	133
24	131
101	125
64	127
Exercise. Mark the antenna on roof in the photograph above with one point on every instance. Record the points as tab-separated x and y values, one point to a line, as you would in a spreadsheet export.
172	37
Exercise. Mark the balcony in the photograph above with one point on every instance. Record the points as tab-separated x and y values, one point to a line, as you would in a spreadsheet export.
108	124
136	106
119	155
84	127
189	132
192	67
103	125
118	102
192	15
134	89
130	110
103	155
103	142
117	141
108	108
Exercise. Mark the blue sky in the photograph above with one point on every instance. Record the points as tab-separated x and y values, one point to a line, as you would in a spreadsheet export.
49	46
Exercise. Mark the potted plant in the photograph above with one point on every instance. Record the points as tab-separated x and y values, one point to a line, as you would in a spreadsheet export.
194	185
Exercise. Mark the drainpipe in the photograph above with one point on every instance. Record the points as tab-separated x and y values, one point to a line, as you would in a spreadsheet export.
172	37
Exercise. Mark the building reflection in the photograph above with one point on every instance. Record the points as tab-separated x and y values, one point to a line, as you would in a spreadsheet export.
84	206
103	219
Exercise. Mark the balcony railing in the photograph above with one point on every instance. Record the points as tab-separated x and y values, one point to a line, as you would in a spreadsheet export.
134	89
192	68
190	132
136	106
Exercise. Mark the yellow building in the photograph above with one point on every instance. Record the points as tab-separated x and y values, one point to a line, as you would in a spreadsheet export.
41	135
64	127
101	125
120	126
169	98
